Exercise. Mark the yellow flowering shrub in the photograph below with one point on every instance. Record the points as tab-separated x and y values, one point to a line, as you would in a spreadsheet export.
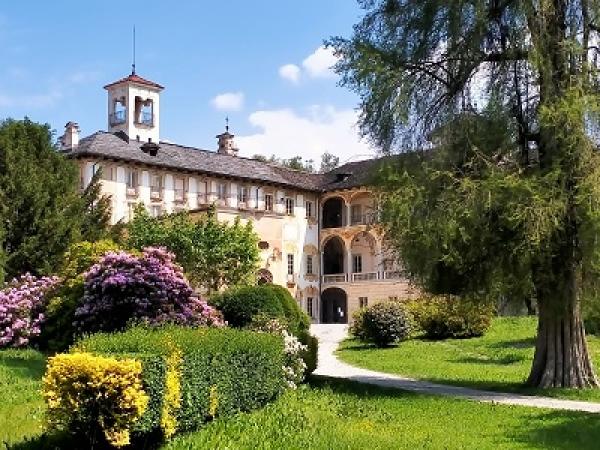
172	395
85	393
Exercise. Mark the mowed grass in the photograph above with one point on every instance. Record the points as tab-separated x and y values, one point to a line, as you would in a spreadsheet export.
324	414
499	360
339	415
21	404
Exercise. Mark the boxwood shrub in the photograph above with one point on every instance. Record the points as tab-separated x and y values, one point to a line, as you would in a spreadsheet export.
441	317
239	306
218	372
382	323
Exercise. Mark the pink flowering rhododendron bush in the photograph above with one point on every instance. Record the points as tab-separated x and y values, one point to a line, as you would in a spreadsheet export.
123	288
22	304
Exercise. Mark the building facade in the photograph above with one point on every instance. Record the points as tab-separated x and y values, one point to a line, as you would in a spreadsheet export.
318	232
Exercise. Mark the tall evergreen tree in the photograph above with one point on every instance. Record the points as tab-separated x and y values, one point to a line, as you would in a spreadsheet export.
96	220
504	93
42	211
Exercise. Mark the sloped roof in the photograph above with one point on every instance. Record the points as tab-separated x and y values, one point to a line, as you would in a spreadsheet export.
351	175
178	157
134	78
173	156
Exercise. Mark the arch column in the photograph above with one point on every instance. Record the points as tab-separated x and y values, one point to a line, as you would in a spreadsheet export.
349	261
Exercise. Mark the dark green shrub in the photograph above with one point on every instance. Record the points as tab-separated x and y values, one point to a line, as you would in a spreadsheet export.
382	323
239	306
222	371
297	319
441	317
58	332
310	356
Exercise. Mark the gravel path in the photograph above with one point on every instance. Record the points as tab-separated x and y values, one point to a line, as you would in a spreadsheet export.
331	335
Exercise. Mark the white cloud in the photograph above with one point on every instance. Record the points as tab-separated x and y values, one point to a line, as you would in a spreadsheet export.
319	63
229	101
286	133
290	72
34	101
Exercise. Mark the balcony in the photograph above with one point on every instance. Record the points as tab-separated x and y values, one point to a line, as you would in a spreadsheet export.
364	219
145	118
117	118
359	277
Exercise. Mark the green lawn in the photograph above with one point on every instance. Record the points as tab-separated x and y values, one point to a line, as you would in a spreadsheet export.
325	415
21	405
499	360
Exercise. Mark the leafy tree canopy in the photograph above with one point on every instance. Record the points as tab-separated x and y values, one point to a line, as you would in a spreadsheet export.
500	100
328	162
212	253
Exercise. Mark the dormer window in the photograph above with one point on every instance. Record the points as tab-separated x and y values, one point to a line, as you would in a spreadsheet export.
339	177
144	114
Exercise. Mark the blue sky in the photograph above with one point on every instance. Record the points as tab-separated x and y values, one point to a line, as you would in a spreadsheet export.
257	61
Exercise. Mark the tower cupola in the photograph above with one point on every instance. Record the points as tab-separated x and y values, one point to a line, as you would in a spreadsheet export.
226	143
133	108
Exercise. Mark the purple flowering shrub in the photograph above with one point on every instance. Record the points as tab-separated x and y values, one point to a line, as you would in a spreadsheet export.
22	304
123	288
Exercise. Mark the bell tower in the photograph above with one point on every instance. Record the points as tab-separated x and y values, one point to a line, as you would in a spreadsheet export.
226	143
133	108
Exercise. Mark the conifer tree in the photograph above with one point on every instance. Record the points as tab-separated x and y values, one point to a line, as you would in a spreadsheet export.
41	210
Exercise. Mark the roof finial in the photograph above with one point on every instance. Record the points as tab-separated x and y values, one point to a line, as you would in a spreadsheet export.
133	64
227	124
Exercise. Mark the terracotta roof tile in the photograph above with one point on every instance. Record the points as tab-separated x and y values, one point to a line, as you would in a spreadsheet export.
134	78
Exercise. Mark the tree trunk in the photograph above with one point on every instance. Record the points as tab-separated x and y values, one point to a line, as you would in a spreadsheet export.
561	355
530	307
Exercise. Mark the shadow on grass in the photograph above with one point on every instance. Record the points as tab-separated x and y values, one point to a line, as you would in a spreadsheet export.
499	361
25	367
560	430
517	343
59	441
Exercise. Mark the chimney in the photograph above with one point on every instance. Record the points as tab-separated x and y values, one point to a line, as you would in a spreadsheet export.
71	137
226	144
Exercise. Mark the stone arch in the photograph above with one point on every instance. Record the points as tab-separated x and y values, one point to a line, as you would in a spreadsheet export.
334	250
333	211
334	306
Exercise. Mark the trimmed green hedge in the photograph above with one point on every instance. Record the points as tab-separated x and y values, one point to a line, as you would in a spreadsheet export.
239	306
222	371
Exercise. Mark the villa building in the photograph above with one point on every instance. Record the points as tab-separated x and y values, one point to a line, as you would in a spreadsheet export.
318	232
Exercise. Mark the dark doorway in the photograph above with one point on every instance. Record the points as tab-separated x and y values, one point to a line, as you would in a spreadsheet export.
333	213
334	306
333	256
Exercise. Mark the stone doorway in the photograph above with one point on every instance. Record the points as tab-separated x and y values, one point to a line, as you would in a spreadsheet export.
334	306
